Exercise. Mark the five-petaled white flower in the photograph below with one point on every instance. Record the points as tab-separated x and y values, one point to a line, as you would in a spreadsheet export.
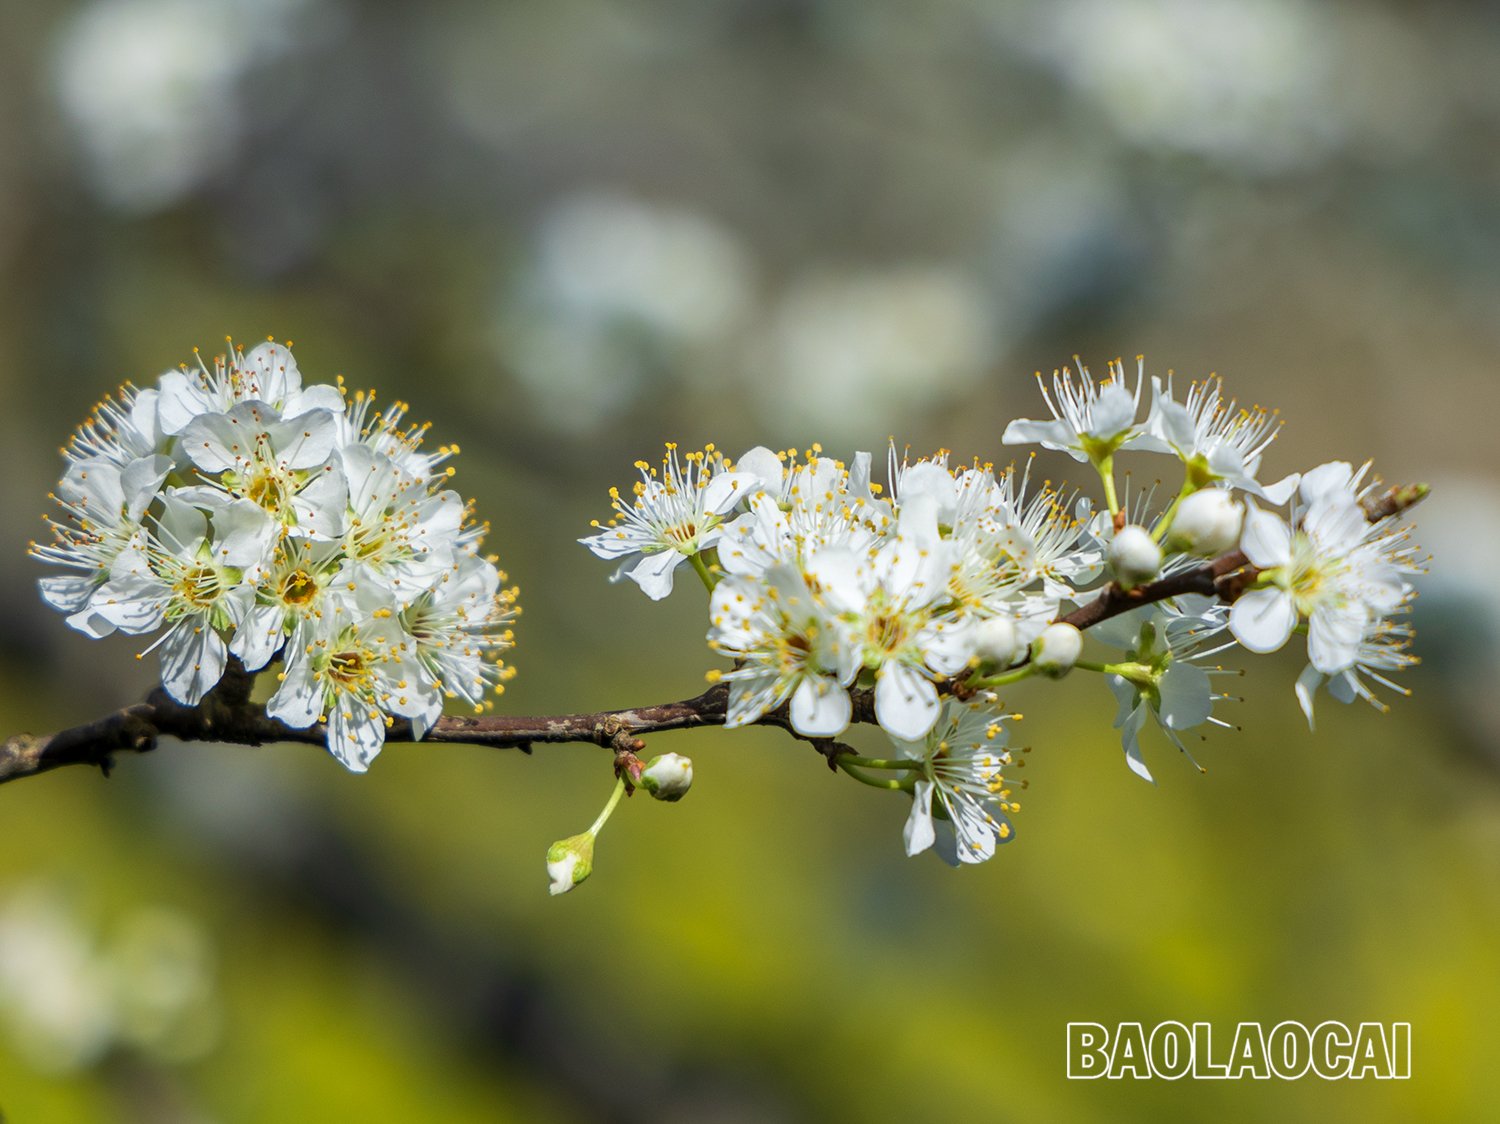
1216	440
1090	421
671	518
960	803
1331	567
1160	678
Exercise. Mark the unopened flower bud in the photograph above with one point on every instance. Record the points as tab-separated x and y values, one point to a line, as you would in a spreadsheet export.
996	642
1207	522
667	776
1057	649
570	861
1134	556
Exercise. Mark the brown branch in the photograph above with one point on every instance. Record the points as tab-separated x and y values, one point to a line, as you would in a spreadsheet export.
227	715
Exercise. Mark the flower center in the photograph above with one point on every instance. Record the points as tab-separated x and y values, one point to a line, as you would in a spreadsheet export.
198	587
298	588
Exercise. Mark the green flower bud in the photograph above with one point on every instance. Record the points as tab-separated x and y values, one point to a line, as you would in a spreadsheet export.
570	861
668	776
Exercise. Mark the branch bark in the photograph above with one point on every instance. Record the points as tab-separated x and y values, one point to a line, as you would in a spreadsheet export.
227	715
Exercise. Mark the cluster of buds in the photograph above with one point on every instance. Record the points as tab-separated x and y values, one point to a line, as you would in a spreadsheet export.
240	514
948	581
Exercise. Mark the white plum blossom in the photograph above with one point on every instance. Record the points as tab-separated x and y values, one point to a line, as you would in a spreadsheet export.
1216	440
1090	420
267	374
788	646
349	668
286	465
1159	678
799	508
190	575
884	599
961	804
672	517
244	515
1331	568
1380	650
104	504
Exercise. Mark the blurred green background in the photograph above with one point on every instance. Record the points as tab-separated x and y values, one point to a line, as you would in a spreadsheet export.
569	230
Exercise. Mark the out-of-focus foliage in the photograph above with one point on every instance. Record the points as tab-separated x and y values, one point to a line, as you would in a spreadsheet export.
568	230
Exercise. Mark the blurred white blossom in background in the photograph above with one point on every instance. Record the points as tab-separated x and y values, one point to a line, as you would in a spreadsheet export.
72	992
150	88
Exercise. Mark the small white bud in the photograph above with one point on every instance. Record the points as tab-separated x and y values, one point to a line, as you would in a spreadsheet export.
667	776
570	861
1057	649
1207	523
996	642
1134	556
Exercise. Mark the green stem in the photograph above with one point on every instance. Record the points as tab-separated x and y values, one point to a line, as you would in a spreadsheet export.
1003	679
1105	466
888	783
609	808
710	579
878	762
1164	524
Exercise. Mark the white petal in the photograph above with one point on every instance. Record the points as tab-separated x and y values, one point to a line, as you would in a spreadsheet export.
299	700
930	481
918	832
1266	540
765	466
272	372
1333	636
217	442
947	646
1186	696
1307	685
356	733
132	604
615	542
67	593
245	534
1262	619
653	573
259	636
319	396
182	527
906	703
751	696
1130	734
140	481
1052	434
192	661
322	506
305	441
179	401
1171	422
725	490
1281	491
820	708
1326	480
1113	412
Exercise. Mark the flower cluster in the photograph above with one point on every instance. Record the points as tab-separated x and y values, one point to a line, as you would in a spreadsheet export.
241	514
836	597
